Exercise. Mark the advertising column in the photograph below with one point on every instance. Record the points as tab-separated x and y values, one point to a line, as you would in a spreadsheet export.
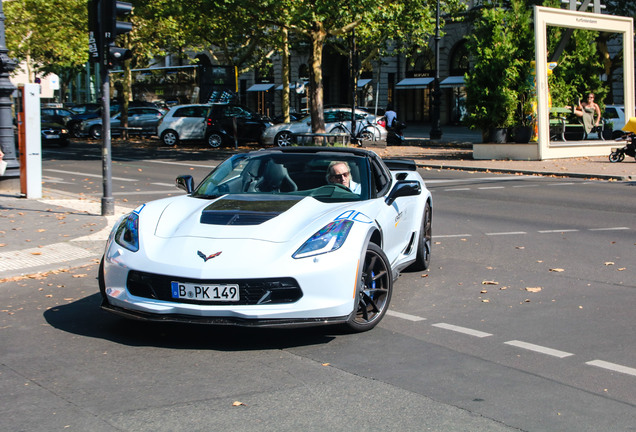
30	140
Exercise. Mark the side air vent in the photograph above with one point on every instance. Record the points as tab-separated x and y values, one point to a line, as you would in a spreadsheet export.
235	217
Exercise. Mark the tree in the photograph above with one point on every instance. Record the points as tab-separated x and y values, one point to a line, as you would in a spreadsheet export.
49	36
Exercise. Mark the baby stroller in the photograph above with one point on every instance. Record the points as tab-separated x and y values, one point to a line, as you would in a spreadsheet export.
618	154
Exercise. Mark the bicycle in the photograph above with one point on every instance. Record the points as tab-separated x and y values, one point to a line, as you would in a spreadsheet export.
366	132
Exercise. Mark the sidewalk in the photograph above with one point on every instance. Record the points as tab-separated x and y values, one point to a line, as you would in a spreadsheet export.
60	231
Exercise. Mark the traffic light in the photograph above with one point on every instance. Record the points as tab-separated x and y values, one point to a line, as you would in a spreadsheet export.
111	10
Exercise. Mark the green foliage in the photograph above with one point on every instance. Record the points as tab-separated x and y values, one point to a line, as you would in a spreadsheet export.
501	47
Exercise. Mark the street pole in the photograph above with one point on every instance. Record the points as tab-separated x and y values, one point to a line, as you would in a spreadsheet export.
436	130
108	203
7	135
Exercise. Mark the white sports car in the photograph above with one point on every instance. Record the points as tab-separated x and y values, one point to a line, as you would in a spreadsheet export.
267	240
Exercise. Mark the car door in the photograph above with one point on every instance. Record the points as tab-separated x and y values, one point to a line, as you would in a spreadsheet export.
395	219
145	118
249	124
189	122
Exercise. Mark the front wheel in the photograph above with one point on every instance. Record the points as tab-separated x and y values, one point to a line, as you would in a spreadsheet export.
283	139
367	134
374	290
170	137
616	157
95	132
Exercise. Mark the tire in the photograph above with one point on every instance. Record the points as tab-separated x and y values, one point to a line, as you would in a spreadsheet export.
214	140
170	137
368	134
101	280
616	157
74	129
424	242
374	290
95	132
283	139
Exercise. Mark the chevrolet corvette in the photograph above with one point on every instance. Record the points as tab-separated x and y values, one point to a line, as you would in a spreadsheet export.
276	237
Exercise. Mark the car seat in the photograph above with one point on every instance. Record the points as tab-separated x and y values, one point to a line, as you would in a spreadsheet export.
275	179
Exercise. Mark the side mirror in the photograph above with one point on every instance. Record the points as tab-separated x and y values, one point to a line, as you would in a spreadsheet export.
403	188
185	182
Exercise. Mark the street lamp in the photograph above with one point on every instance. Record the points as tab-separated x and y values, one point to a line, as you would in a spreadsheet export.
7	138
436	130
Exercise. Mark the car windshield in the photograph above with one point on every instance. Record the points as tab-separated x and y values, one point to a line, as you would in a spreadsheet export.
304	174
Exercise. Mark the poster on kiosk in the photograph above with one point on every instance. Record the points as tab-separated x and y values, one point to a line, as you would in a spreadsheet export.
29	140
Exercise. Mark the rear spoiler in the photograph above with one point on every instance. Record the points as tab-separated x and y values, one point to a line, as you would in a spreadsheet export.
400	164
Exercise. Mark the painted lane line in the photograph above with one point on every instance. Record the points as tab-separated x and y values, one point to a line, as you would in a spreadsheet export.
609	229
452	235
189	164
503	178
490	187
557	231
405	316
463	330
78	174
164	184
560	184
612	366
526	186
539	349
456	189
507	233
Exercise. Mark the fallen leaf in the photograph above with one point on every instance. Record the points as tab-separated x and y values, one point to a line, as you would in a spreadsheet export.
558	270
533	289
621	269
609	263
486	282
238	403
483	291
326	364
425	275
485	301
80	275
520	247
36	253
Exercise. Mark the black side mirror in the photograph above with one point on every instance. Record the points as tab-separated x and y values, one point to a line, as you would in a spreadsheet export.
185	182
403	188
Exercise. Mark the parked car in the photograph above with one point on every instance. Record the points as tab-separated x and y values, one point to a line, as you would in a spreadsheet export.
616	115
53	133
268	238
140	121
337	120
57	115
183	122
227	122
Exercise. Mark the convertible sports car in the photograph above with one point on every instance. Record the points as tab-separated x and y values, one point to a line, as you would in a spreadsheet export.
265	239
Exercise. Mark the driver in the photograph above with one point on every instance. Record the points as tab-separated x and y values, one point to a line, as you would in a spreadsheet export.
340	173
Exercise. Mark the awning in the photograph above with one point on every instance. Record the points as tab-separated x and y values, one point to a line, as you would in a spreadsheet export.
452	81
260	87
363	82
292	85
414	83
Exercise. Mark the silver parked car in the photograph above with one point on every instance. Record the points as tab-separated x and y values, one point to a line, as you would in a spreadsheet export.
141	120
183	122
337	120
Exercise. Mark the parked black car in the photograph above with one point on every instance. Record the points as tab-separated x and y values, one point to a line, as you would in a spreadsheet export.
227	122
52	132
58	115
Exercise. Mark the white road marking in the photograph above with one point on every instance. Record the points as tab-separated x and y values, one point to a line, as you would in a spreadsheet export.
609	229
539	348
556	231
456	189
507	233
491	187
190	164
480	179
405	316
78	174
452	235
464	330
612	366
164	184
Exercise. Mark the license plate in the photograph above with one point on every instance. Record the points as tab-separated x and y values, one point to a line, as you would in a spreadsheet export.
52	136
211	293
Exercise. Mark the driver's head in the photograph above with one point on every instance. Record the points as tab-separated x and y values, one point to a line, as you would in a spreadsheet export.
339	172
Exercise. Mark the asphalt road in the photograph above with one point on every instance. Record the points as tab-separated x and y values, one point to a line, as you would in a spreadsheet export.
523	322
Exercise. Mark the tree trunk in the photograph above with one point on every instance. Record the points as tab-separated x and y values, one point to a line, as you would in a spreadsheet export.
285	101
316	104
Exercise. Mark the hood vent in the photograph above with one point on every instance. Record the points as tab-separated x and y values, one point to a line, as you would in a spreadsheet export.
246	209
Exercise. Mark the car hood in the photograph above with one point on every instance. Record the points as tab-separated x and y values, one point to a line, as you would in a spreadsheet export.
274	218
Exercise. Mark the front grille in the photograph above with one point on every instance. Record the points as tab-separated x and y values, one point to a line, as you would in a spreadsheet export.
252	291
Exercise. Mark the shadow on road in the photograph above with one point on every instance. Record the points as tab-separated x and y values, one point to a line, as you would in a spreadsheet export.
84	317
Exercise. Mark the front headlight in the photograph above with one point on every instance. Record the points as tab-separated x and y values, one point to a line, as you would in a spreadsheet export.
328	239
127	234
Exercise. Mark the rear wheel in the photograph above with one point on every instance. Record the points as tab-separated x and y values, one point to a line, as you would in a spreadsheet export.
75	130
367	134
170	137
215	140
374	290
423	259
